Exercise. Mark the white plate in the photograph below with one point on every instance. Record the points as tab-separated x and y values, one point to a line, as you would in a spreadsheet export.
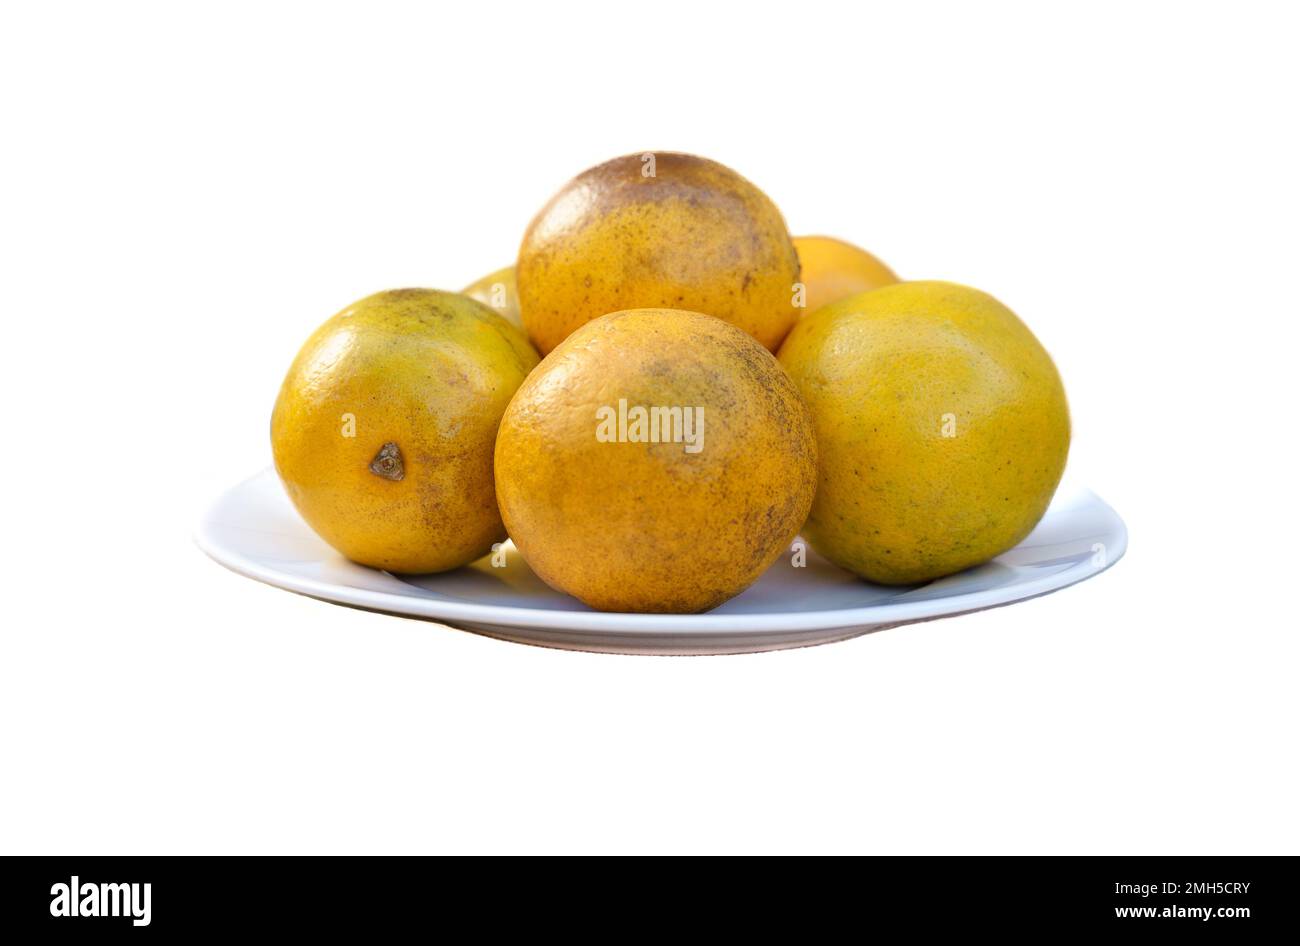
253	529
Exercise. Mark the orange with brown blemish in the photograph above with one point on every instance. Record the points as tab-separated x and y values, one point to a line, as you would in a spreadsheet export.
658	230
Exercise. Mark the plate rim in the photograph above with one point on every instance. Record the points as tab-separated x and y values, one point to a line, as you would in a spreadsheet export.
633	624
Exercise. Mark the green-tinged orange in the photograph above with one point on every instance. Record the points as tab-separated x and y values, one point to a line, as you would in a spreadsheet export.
499	291
384	428
942	429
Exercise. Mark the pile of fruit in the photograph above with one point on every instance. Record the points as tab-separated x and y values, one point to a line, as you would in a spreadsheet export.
662	394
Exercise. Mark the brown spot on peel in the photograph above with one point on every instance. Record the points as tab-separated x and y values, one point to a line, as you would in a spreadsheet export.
388	462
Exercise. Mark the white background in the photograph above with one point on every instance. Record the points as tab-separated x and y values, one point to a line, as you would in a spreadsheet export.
187	192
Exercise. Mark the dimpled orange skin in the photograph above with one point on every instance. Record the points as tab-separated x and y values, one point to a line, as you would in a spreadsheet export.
429	371
499	291
648	527
695	236
886	374
834	270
